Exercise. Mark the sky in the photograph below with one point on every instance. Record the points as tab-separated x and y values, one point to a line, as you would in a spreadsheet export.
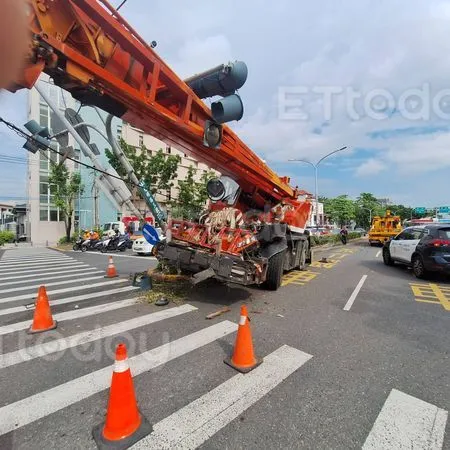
373	76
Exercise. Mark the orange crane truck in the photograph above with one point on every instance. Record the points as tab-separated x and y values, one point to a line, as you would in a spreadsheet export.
255	227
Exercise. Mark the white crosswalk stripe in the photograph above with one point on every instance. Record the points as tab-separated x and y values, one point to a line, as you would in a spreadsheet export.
197	422
407	422
75	299
46	276
28	353
56	283
37	269
30	296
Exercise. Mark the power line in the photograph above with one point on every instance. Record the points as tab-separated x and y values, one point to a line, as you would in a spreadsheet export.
24	135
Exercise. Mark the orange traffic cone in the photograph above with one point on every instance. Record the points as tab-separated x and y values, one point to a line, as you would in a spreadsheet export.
124	424
243	358
42	320
111	270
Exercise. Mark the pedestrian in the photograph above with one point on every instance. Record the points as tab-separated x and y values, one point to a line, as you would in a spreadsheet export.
344	234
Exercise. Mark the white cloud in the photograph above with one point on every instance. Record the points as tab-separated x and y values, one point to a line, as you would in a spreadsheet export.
370	167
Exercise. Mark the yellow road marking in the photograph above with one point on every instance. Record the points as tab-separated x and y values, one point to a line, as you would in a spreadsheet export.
299	278
439	294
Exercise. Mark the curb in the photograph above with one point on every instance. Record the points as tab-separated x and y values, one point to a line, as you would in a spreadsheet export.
59	249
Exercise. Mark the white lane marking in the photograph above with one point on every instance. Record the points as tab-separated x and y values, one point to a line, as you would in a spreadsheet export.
33	258
42	404
34	272
150	258
78	298
31	296
48	275
194	424
46	262
58	345
352	298
12	271
74	314
56	283
407	422
378	254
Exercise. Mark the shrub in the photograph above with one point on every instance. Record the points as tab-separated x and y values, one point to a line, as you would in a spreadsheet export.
332	238
6	236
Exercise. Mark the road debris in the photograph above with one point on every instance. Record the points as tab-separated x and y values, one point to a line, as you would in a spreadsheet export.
218	313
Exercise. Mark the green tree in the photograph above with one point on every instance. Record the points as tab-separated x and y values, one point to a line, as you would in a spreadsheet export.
365	202
341	209
65	188
157	171
192	195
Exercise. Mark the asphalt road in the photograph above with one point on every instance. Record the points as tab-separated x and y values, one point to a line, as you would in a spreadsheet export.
352	349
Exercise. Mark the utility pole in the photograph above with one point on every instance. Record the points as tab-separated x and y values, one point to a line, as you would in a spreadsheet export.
316	165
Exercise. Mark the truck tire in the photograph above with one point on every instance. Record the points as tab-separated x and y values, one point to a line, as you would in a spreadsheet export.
274	271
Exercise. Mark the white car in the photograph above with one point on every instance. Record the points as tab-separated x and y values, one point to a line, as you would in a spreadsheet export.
142	247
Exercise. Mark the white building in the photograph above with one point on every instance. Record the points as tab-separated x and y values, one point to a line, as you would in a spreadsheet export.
313	219
45	225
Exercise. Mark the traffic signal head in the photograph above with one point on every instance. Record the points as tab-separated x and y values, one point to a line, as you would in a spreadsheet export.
227	109
212	136
40	139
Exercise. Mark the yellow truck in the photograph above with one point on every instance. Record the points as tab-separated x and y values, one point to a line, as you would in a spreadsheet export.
384	228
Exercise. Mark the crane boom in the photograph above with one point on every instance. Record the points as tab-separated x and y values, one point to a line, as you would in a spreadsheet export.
255	226
89	49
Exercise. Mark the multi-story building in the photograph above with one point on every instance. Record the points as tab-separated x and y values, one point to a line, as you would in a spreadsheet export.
45	224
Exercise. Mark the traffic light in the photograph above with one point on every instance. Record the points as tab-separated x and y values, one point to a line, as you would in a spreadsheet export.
222	80
40	139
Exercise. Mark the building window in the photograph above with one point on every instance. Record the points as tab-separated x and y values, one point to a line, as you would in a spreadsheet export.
119	132
168	149
76	157
141	140
53	215
43	216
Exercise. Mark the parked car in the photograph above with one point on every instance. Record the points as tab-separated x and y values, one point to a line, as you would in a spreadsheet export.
426	248
142	247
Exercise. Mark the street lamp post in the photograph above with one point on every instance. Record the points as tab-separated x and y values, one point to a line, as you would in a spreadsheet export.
316	165
370	213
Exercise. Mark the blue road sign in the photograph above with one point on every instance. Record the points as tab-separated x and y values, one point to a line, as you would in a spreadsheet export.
150	234
420	210
444	209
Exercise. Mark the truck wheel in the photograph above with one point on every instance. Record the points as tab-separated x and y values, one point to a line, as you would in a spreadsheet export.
274	271
303	254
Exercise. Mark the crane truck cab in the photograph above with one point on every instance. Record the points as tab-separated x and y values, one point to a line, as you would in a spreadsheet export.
384	228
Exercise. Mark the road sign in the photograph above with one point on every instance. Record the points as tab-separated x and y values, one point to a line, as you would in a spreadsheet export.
150	234
420	210
444	209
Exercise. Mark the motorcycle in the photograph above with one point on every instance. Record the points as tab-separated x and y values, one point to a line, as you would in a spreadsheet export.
89	244
344	239
78	243
116	243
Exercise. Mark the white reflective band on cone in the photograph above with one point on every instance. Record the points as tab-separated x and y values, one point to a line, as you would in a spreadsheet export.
242	320
121	366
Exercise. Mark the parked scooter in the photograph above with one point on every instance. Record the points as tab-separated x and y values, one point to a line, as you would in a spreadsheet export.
78	243
115	243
